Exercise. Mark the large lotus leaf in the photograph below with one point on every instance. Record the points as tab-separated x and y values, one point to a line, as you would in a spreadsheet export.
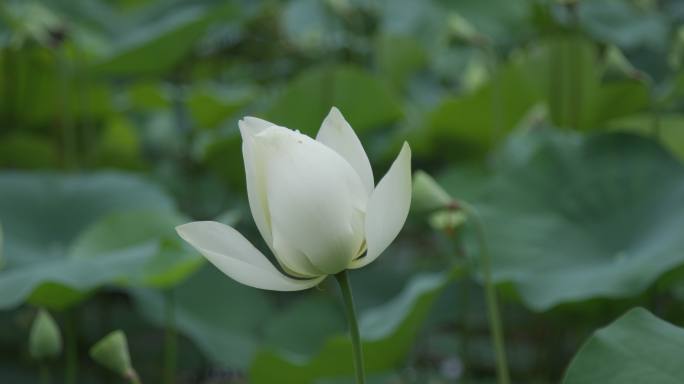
431	22
221	316
366	101
504	22
399	57
159	44
387	331
668	128
118	146
577	96
572	79
27	151
616	100
210	105
623	23
483	117
312	25
148	95
40	81
304	326
637	348
2	260
561	73
59	283
44	213
123	230
572	217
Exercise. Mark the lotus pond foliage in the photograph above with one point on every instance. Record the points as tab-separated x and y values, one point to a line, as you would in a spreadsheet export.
501	183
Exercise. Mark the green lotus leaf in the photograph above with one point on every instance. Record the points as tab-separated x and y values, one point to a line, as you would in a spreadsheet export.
128	229
387	332
43	215
220	316
636	348
366	101
156	46
570	217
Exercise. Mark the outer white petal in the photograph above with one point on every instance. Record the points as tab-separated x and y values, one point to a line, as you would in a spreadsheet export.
235	256
337	134
388	208
314	198
256	191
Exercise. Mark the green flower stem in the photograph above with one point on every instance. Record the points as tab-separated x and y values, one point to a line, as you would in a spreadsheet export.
170	338
655	117
71	371
576	73
497	102
44	373
494	316
133	377
653	103
464	345
345	287
70	150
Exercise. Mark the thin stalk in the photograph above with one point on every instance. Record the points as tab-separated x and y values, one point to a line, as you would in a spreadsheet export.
69	145
655	118
71	370
133	377
9	95
170	347
492	64
653	104
494	315
653	101
465	329
84	98
44	373
345	288
576	72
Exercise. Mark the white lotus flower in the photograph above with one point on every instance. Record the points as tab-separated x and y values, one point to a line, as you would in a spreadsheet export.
314	202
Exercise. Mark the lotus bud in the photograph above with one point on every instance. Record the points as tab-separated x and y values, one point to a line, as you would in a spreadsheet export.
427	194
45	341
112	353
447	220
315	203
464	30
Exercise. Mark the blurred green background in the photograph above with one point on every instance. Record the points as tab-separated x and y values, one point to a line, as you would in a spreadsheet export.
561	121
